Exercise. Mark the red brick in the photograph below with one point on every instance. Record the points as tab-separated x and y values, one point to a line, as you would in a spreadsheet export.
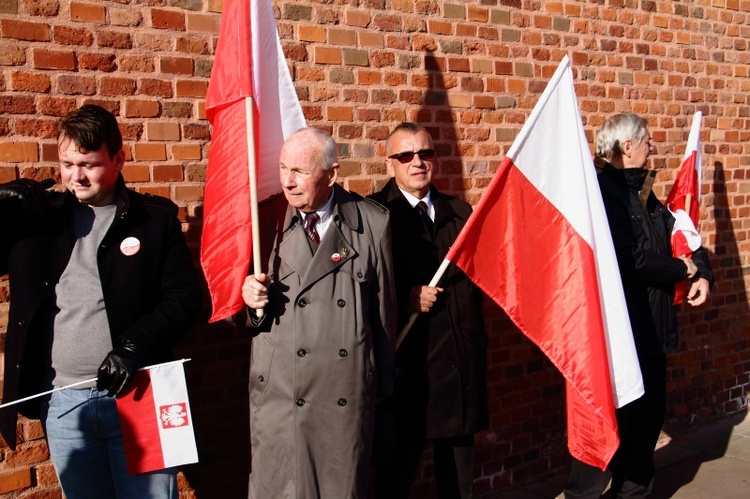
191	88
155	88
15	480
87	12
76	85
137	63
116	86
114	39
98	62
139	108
162	131
165	19
27	454
56	106
66	35
19	152
135	172
31	82
44	8
11	55
53	59
176	65
192	45
45	129
167	173
150	152
17	104
202	23
186	193
23	30
186	152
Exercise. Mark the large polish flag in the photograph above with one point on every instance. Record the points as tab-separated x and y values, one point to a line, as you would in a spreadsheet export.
539	245
684	202
157	426
249	64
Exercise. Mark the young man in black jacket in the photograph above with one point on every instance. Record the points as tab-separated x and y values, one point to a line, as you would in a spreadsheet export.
102	284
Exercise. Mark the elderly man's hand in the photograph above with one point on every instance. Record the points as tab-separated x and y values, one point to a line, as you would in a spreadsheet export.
698	292
255	291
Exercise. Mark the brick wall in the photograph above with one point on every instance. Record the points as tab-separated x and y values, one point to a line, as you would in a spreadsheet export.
468	70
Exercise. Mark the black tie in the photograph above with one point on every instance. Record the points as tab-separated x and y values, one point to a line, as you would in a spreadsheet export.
422	207
310	221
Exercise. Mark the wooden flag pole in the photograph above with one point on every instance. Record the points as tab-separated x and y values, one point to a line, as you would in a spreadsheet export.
252	172
435	279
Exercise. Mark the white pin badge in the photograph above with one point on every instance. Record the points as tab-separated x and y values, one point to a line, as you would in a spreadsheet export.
130	246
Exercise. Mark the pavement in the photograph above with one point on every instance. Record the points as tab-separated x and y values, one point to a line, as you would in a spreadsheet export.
710	461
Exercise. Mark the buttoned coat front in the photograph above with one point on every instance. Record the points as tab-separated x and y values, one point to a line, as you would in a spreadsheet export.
323	352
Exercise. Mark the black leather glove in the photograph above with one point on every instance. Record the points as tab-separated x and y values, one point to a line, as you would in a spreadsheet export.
118	368
27	195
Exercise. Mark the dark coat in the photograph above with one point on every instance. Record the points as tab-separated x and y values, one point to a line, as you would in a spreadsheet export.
152	298
441	365
323	352
642	240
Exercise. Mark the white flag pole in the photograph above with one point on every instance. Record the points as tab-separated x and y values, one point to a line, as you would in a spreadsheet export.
250	129
77	383
435	279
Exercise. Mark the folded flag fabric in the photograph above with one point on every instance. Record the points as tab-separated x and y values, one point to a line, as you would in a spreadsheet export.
683	202
157	426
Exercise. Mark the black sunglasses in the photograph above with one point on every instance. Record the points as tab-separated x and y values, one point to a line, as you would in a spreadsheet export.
408	156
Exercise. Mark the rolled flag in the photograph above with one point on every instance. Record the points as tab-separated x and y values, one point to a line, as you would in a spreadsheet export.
156	422
684	200
539	245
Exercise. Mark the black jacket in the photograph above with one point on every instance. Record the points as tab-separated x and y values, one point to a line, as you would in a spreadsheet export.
152	298
442	362
642	240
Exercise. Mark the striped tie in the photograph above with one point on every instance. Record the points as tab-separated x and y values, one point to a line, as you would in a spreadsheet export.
310	221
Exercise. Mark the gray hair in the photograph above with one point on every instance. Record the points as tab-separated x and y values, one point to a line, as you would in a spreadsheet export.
616	130
319	141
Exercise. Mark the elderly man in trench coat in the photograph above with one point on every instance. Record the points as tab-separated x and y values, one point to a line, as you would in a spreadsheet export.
322	353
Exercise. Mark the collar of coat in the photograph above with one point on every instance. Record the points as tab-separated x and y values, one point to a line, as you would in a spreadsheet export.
344	210
398	204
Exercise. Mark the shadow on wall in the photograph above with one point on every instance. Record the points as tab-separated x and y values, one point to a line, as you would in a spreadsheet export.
719	347
217	378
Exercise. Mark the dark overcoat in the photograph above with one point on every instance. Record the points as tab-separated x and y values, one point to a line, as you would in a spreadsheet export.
323	352
151	297
441	364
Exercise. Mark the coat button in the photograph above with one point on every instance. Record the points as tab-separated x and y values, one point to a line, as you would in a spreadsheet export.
261	378
341	402
300	402
302	303
43	284
343	353
360	274
301	352
22	323
340	302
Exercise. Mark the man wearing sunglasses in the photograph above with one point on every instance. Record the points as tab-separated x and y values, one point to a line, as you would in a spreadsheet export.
440	389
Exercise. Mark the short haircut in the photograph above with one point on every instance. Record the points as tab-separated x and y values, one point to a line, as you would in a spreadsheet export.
406	126
89	127
322	141
617	129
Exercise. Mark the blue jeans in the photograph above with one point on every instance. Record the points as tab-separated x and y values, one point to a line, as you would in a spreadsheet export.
85	444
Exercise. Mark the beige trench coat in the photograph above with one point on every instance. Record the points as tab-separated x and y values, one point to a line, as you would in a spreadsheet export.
323	353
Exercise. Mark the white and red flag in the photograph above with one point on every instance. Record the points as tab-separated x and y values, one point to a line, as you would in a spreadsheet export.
539	245
157	426
684	202
253	106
